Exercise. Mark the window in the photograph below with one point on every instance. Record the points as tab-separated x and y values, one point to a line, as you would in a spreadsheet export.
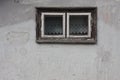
53	25
78	24
66	25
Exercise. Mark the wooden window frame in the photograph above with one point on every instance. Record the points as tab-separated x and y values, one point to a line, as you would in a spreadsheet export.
52	14
89	24
90	39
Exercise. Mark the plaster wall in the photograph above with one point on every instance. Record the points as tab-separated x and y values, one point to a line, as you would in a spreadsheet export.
21	58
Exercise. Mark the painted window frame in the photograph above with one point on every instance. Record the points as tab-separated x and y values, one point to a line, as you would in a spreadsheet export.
52	14
66	39
79	14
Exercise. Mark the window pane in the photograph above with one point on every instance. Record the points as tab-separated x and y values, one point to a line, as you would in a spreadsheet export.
78	25
53	25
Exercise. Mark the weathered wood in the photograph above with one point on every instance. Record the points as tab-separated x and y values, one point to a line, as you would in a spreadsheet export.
85	40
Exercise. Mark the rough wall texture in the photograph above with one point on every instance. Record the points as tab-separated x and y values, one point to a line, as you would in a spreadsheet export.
21	58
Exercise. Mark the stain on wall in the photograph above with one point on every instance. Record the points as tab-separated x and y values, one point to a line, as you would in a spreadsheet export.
14	37
103	64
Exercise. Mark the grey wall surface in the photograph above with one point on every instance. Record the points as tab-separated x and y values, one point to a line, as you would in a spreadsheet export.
21	58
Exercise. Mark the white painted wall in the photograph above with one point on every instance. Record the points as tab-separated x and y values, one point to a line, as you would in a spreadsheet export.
21	58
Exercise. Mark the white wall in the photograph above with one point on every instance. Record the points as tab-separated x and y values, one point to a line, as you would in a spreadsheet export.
21	58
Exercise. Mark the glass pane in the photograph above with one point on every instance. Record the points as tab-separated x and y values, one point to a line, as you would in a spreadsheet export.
53	25
78	24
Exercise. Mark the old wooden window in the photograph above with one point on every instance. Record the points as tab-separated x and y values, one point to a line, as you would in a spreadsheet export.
78	24
66	25
53	25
